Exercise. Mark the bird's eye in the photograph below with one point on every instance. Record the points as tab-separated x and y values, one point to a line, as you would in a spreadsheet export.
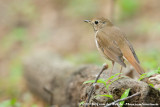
96	22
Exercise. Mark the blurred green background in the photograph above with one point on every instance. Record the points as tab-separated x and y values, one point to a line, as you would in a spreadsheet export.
57	25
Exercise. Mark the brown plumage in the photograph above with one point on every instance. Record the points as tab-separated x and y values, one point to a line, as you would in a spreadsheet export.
113	45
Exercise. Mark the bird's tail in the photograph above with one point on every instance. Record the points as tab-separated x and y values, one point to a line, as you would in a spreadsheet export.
138	68
136	65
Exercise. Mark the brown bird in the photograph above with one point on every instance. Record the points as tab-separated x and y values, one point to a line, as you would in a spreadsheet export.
113	45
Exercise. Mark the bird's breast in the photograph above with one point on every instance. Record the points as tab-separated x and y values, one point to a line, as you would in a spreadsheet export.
97	43
96	39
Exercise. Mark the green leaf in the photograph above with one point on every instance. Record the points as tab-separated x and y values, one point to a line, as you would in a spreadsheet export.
111	77
102	81
148	74
90	81
142	76
151	85
81	104
105	95
107	87
98	81
124	95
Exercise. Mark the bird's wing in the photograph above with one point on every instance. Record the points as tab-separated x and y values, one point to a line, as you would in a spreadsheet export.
117	35
110	48
132	49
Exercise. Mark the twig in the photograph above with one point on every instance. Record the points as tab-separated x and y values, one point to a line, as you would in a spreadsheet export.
51	95
119	100
92	88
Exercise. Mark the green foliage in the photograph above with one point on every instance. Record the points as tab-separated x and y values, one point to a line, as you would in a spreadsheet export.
101	81
111	77
105	95
142	76
98	81
151	85
124	95
128	7
81	104
104	82
148	74
90	81
10	103
107	87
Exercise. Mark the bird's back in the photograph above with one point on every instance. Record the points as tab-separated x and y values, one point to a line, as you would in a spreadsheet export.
115	34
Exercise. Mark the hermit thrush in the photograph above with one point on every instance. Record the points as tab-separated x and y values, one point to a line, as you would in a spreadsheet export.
113	45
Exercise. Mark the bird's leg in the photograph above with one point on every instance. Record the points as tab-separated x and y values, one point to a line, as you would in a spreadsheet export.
120	71
111	68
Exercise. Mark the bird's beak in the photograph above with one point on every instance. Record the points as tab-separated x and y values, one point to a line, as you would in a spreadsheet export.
87	21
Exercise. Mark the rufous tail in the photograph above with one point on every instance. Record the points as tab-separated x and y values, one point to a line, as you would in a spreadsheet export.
136	65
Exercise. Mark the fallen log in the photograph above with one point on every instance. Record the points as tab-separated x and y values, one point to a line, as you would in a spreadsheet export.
58	82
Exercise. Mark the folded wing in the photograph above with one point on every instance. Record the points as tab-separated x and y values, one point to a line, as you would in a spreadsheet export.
110	48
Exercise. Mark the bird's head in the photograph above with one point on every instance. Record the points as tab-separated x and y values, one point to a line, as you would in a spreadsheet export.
99	23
